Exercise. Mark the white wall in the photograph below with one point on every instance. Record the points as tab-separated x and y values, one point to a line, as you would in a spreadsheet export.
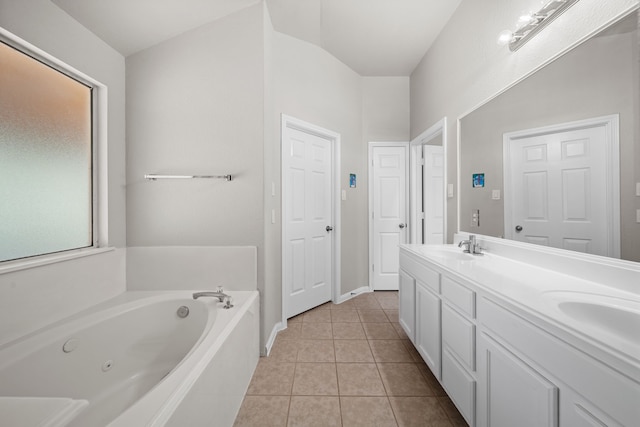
196	105
33	298
465	66
271	295
314	86
385	108
165	268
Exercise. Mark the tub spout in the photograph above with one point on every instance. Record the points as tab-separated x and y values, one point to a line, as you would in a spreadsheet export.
218	294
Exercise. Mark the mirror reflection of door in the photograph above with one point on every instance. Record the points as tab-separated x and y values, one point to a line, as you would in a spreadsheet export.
559	182
433	194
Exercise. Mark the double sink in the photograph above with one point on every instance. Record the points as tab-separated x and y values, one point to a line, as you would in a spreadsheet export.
606	312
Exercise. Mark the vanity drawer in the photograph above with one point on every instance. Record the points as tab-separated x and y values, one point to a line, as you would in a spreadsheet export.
460	386
459	335
459	296
421	273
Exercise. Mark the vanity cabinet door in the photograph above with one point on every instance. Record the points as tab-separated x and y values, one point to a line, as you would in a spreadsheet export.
428	327
513	393
407	304
459	385
576	411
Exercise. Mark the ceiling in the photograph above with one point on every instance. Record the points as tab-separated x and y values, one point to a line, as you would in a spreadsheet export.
373	37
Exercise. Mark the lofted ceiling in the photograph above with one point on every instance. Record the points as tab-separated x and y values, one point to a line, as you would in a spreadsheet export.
373	37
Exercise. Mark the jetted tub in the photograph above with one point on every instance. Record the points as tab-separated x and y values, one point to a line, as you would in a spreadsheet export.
135	361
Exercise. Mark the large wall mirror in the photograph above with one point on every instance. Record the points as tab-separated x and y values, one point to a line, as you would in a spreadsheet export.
554	160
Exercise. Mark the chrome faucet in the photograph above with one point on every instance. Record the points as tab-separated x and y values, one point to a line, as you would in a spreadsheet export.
471	247
222	297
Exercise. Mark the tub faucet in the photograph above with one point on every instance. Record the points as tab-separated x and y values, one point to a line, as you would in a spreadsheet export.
471	247
217	294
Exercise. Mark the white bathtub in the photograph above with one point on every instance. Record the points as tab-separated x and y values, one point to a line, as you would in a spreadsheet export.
136	363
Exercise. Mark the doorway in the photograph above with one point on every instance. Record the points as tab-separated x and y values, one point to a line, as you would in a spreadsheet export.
310	216
428	185
388	211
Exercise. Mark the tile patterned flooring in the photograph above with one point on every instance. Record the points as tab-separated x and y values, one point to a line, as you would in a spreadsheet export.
346	365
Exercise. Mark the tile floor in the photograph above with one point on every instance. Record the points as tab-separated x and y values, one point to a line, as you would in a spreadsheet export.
346	365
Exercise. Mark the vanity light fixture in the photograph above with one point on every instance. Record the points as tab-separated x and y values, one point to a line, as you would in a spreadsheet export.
531	24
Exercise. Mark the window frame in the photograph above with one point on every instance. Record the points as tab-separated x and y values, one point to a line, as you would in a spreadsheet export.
99	196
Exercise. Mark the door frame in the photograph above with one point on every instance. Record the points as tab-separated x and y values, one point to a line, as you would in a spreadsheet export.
611	125
289	122
373	144
415	184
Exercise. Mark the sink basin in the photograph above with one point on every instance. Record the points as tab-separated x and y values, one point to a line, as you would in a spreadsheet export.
618	321
618	317
449	252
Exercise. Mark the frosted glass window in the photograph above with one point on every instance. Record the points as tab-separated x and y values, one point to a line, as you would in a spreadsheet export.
45	159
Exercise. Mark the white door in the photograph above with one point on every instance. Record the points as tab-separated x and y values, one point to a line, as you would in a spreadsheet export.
307	192
388	213
433	194
557	191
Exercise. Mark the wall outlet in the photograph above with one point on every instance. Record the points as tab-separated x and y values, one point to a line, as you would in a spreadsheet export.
475	218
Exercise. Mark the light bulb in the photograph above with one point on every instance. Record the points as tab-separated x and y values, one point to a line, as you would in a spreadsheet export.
525	19
505	37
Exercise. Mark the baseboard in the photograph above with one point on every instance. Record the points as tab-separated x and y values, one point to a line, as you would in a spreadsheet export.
272	338
352	294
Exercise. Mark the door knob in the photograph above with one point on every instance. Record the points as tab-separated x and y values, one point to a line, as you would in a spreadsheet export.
329	228
402	225
518	228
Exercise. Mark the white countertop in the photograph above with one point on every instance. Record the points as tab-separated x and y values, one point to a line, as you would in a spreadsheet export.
601	315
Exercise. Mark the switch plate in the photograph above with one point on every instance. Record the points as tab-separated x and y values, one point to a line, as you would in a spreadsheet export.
495	194
475	218
638	216
273	216
638	189
344	194
450	191
273	189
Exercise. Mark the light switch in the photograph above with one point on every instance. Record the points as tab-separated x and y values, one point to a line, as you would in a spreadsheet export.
273	189
450	190
638	216
344	194
495	194
273	216
638	189
475	218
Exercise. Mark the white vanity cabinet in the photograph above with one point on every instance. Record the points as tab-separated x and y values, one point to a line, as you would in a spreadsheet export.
459	345
531	378
419	308
407	304
428	327
443	330
501	362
